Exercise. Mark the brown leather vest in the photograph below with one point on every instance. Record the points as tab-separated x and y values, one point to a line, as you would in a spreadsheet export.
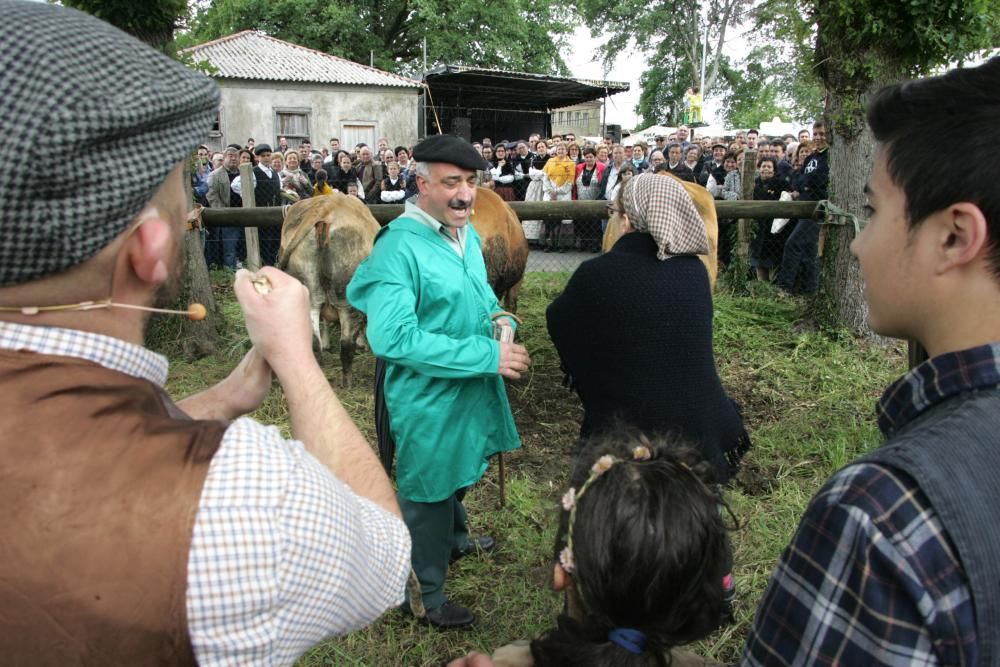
100	477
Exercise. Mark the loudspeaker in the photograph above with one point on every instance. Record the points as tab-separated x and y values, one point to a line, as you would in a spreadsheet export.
613	131
462	128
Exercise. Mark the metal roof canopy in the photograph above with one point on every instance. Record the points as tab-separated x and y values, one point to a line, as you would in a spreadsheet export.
470	87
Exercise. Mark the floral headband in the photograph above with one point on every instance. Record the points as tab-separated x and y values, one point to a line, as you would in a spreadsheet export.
571	498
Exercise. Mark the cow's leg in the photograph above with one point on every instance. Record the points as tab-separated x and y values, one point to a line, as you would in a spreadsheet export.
319	328
347	345
510	298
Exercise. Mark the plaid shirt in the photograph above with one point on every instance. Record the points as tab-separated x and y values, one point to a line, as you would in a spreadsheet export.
283	554
870	577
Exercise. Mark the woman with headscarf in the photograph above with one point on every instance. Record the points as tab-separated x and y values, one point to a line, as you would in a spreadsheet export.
633	329
557	184
293	179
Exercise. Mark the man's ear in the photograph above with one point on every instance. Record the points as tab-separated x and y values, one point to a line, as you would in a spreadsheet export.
150	247
963	235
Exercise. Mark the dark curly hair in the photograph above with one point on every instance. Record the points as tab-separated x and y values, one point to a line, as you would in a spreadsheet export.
650	550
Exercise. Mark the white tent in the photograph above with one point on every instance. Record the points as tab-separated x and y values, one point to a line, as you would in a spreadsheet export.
648	134
777	128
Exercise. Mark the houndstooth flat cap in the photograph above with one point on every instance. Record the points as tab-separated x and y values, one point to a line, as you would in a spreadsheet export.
93	121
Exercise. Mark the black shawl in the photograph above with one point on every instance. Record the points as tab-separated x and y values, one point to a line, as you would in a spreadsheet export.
635	335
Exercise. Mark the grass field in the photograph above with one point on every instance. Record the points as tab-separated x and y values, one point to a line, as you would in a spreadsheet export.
808	400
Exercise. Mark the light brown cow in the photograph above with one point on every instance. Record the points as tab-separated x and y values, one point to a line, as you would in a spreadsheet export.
323	239
505	248
705	204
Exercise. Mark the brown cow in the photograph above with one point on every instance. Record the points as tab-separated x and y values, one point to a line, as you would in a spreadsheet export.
323	239
705	204
505	249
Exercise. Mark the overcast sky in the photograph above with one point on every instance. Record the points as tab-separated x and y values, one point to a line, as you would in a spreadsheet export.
621	107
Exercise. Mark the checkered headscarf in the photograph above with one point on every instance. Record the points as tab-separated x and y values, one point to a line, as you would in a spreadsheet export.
660	206
95	120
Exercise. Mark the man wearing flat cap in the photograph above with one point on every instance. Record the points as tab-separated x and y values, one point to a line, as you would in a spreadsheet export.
139	531
267	192
431	315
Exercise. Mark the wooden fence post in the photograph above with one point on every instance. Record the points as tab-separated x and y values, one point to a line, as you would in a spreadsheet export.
747	173
250	201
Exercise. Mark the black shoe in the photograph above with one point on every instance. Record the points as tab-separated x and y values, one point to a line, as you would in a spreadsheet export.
482	545
448	616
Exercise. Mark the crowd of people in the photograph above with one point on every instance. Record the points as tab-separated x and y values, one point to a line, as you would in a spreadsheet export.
144	530
557	168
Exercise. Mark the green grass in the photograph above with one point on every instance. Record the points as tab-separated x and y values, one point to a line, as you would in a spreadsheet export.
807	397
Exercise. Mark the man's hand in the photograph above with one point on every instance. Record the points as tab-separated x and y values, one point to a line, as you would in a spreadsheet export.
278	322
242	391
514	360
248	384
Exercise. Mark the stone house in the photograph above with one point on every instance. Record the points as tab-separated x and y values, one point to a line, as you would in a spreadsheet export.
271	88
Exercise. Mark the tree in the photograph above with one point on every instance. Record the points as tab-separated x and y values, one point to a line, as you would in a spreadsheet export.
509	34
861	46
675	34
152	21
663	86
752	96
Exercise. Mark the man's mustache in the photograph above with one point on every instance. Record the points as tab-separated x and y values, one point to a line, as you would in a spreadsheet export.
459	203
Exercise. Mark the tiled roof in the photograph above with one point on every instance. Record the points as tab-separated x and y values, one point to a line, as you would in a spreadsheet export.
254	55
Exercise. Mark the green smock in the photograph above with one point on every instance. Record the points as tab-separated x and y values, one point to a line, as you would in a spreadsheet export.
430	319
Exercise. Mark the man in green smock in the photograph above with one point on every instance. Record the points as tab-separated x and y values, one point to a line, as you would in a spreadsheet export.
430	319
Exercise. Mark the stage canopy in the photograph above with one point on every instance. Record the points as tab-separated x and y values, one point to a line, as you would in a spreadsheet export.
473	102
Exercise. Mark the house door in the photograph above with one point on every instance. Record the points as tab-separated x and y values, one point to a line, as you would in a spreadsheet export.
357	132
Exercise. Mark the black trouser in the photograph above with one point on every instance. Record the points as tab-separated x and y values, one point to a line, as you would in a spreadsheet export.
799	272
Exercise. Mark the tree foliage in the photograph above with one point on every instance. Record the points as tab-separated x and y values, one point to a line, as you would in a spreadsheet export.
752	96
681	29
861	45
152	21
663	85
510	34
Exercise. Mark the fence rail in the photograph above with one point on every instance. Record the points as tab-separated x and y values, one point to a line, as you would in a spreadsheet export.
556	210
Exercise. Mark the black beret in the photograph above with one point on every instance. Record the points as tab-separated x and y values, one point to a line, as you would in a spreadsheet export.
89	93
450	149
261	148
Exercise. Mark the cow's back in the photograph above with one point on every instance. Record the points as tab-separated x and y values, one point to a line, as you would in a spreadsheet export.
505	247
327	236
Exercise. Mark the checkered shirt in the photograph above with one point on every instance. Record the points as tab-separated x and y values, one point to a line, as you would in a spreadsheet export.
283	554
870	577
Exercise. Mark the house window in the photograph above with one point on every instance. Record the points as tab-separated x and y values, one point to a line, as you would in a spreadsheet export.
291	123
354	132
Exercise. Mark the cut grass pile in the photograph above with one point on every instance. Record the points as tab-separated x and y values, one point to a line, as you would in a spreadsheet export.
807	398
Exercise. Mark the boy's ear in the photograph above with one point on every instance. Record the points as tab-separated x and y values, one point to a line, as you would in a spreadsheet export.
964	235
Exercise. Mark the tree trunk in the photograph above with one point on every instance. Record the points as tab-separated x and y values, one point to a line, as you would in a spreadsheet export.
200	339
840	300
179	336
